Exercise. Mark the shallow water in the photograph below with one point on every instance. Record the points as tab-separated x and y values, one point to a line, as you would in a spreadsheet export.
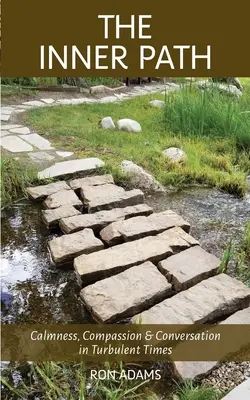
34	291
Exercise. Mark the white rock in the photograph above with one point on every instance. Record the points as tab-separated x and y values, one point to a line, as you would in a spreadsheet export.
83	165
64	154
5	117
157	103
107	123
48	101
129	125
140	178
9	126
38	141
175	154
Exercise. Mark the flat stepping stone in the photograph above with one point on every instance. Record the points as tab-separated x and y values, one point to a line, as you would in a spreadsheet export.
241	392
96	193
41	156
5	117
114	260
99	220
189	267
65	248
91	181
208	300
63	198
48	101
21	131
4	133
108	300
139	227
6	112
34	103
83	165
42	191
64	154
9	126
15	145
52	217
38	141
122	199
198	369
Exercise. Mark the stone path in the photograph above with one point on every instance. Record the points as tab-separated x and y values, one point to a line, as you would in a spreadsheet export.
241	392
16	138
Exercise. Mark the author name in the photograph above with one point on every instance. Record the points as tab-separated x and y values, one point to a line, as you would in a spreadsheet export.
128	374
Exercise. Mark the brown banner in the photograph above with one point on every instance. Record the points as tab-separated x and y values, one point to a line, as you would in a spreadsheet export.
98	343
78	38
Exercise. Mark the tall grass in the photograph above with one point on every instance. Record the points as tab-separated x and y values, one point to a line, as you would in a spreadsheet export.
190	391
203	113
15	177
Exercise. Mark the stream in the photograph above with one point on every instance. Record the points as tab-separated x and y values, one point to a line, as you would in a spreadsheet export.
34	291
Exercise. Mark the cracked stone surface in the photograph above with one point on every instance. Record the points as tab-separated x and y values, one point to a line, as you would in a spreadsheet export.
38	141
41	156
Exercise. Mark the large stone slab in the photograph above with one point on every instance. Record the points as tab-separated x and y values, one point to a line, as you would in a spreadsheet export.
5	117
23	130
100	219
241	392
139	227
189	267
111	261
109	201
9	126
63	198
38	141
83	165
65	248
108	300
40	192
91	181
209	300
52	217
15	144
198	369
97	193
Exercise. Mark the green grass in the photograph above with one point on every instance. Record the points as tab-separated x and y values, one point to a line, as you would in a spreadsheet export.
203	113
214	160
15	177
189	391
51	381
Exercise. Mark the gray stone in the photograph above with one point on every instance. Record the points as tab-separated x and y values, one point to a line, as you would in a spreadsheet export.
5	117
129	125
108	299
174	154
108	99
99	89
107	123
139	227
241	392
63	198
83	165
97	193
109	201
9	126
100	219
189	267
64	154
198	369
95	180
209	300
230	90
38	141
34	103
21	131
42	191
41	156
52	217
117	259
65	248
4	133
140	178
48	101
15	144
6	112
157	103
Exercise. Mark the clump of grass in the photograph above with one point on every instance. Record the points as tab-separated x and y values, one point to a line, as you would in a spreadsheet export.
190	391
203	113
51	381
15	177
226	257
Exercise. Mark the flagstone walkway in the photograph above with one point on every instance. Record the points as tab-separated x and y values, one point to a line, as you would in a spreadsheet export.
17	138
